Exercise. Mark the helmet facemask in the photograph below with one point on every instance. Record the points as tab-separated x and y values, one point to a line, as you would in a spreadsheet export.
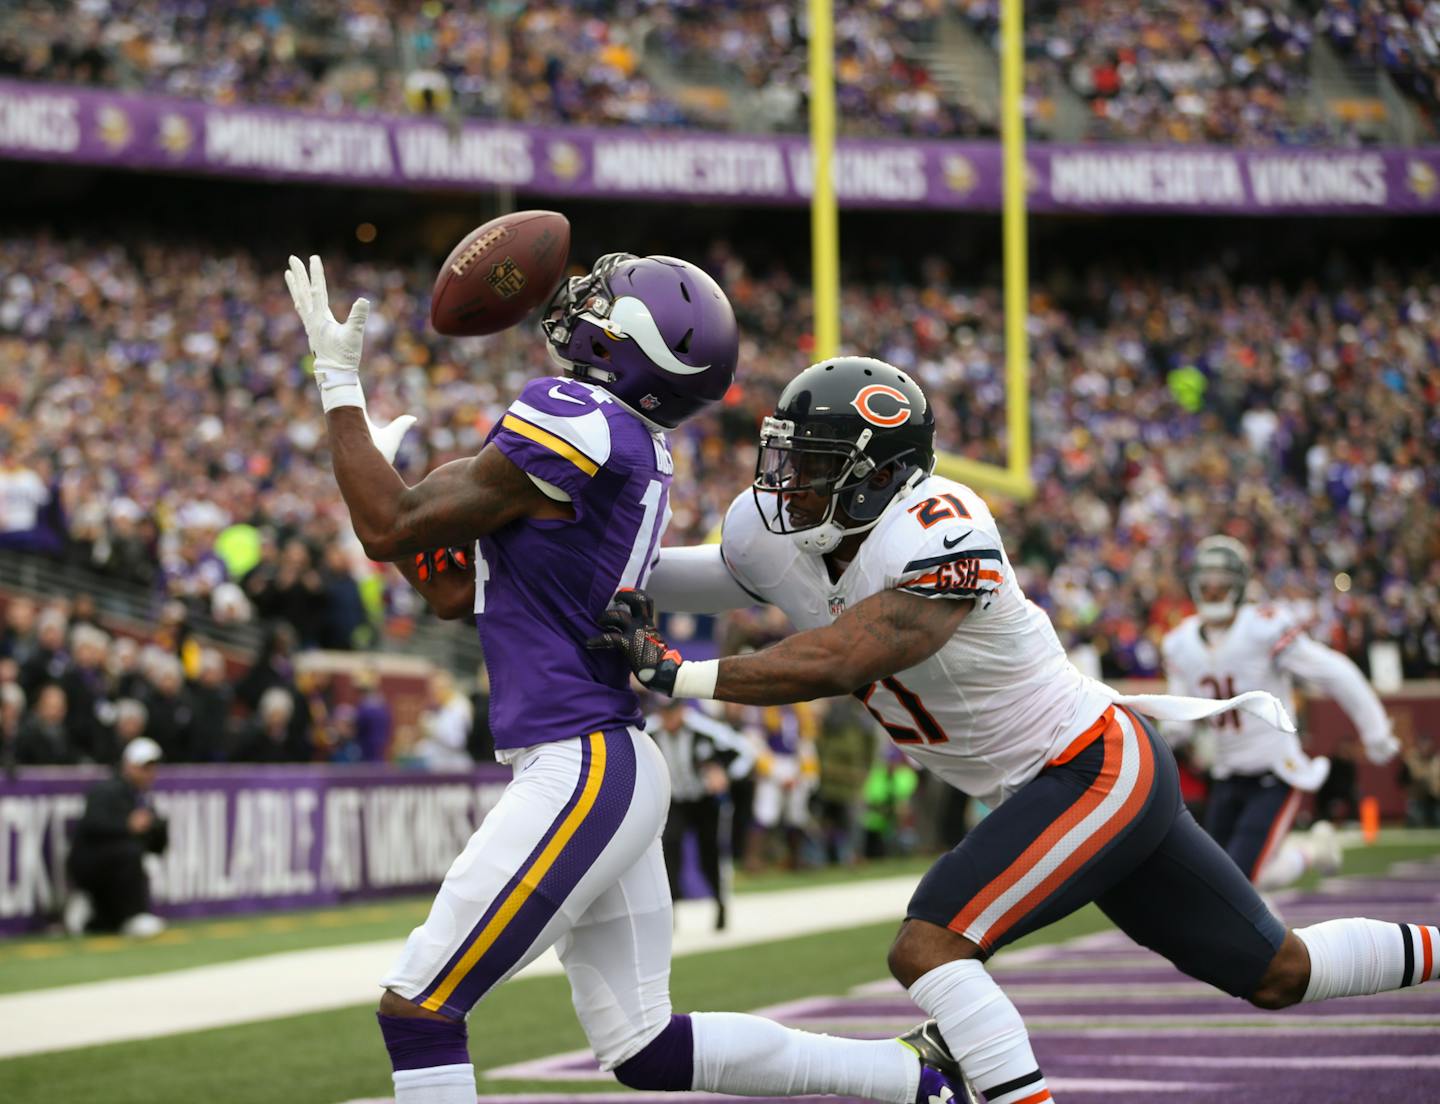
581	299
836	469
1220	564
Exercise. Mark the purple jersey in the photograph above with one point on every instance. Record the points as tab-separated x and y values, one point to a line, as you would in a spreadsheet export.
541	586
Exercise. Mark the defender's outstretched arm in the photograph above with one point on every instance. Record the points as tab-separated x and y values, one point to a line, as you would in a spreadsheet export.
883	635
694	579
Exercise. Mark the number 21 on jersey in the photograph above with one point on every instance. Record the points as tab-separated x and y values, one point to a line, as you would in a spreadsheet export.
877	698
1220	691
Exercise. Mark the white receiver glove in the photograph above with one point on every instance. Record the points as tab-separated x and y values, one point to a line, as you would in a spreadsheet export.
1381	747
337	349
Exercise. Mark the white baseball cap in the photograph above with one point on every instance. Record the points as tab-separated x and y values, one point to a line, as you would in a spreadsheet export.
140	751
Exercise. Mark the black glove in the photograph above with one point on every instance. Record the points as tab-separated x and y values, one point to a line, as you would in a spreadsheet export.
629	627
439	560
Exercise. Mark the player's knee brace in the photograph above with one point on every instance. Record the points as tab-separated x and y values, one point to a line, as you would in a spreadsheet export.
666	1064
416	1043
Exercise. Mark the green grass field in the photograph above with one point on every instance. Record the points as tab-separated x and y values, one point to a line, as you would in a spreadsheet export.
336	1056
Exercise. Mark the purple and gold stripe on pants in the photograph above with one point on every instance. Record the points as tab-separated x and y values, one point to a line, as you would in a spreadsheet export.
549	874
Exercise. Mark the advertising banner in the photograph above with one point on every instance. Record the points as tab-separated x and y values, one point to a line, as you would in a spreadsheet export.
249	838
158	133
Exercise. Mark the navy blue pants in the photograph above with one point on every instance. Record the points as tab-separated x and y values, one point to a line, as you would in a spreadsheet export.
1249	816
1104	822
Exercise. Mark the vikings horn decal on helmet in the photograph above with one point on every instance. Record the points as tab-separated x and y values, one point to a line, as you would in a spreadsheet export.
656	332
852	430
1222	561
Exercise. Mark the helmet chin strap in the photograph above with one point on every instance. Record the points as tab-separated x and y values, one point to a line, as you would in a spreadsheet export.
1215	613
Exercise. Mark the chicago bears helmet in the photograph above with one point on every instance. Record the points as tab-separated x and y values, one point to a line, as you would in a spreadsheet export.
656	332
1220	563
836	426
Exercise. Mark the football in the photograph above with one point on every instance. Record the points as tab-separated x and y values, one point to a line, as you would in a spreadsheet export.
499	273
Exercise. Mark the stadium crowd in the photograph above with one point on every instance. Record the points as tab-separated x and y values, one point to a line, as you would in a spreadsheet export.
158	425
1400	36
1179	71
1182	70
547	62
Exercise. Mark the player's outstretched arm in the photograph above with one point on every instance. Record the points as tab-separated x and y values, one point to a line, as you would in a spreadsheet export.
694	579
883	635
450	507
1337	675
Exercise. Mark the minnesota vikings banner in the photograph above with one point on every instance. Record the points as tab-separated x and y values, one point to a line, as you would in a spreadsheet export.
246	838
89	127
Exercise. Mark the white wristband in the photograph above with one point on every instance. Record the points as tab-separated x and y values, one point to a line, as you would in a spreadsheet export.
696	679
338	386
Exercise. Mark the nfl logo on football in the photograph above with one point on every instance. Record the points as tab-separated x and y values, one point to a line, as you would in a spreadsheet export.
506	278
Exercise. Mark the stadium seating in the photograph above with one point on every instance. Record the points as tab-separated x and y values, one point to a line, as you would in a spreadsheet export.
1176	71
1164	408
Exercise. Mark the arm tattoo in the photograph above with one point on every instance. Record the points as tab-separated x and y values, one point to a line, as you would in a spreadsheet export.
887	633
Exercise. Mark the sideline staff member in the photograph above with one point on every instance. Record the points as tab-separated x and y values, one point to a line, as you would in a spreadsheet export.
111	840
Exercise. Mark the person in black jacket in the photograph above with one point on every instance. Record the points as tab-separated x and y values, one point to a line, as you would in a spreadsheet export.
111	840
700	753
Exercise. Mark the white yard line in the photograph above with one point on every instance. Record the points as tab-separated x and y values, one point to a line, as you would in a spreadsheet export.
272	986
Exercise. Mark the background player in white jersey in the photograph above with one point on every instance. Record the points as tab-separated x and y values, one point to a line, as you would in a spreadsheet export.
1259	772
566	502
906	598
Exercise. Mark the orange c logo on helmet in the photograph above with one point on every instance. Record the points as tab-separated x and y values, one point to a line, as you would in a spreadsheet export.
862	403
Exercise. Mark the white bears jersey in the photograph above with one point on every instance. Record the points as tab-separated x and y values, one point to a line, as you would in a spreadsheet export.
1000	699
1266	648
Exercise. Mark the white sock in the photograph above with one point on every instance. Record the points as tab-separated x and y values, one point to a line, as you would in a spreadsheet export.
1357	957
1286	866
984	1032
753	1056
435	1085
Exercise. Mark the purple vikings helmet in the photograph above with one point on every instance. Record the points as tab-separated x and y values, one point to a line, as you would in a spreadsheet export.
656	332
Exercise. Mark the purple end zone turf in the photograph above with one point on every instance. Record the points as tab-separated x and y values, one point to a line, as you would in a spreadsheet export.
1194	1046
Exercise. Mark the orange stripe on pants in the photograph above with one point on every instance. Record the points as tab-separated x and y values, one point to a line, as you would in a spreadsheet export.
1099	790
1428	952
1278	830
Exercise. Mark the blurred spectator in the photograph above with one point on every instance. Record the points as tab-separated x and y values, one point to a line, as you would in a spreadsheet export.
131	720
701	754
373	724
170	711
445	727
846	749
269	738
292	591
344	611
24	496
17	637
42	739
115	833
212	705
86	684
273	667
1421	774
1338	799
12	714
785	776
889	820
122	668
48	659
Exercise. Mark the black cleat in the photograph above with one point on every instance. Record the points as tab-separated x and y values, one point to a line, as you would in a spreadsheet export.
926	1041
